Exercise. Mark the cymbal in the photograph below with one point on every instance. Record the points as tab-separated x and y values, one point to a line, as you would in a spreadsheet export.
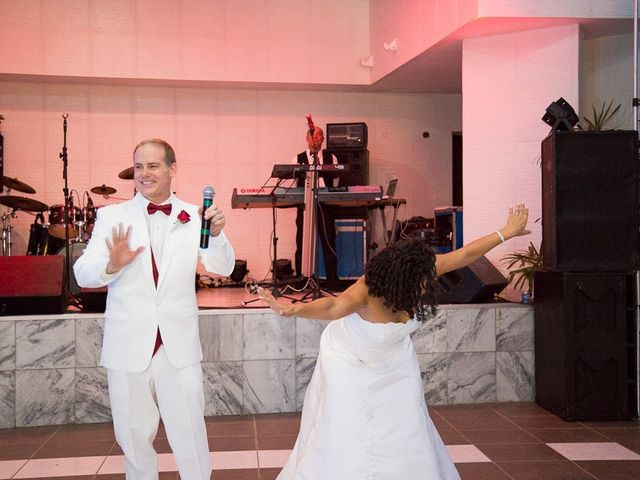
126	174
15	184
103	190
23	203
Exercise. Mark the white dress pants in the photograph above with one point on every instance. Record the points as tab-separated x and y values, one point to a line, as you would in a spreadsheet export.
138	400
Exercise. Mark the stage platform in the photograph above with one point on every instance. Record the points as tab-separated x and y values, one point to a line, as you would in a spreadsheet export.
235	297
255	361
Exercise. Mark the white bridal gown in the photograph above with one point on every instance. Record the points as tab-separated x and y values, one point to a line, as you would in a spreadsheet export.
364	414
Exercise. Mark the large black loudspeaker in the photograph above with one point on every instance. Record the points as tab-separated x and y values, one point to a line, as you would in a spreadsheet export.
32	284
475	283
585	345
590	206
358	161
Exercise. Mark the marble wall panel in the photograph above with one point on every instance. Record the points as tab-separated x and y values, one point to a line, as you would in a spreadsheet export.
431	337
515	381
434	371
221	337
223	388
304	371
270	386
471	330
7	399
514	329
7	345
472	377
44	397
92	395
308	333
89	333
45	343
259	363
269	336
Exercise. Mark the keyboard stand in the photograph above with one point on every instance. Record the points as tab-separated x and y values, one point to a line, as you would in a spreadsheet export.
275	283
309	239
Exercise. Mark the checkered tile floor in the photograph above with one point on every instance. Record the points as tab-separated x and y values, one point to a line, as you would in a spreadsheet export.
487	442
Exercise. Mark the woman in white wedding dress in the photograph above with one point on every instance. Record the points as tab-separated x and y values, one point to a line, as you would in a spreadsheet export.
364	414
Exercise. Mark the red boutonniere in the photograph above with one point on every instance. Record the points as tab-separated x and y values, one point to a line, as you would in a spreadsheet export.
183	217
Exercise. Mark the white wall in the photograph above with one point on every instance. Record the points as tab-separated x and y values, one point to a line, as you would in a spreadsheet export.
226	138
508	81
416	24
554	8
279	41
606	74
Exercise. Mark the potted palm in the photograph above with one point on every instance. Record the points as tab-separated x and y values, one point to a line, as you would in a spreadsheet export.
602	116
522	266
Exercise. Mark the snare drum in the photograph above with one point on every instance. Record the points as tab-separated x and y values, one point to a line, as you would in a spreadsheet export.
56	221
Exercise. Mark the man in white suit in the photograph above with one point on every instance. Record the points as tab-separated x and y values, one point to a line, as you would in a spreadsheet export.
146	250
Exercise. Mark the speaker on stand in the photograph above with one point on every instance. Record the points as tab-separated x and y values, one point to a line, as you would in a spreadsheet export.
584	345
590	214
585	305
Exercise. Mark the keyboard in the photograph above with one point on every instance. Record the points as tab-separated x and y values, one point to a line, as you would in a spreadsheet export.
356	196
291	170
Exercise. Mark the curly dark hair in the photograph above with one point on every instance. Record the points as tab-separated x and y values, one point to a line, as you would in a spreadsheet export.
403	275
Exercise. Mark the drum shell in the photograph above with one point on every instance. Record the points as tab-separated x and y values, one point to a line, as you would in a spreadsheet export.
90	214
41	243
56	221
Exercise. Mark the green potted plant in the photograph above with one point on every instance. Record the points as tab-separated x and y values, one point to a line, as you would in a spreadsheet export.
602	116
522	266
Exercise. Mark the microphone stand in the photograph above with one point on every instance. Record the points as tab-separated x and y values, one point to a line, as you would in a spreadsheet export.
67	204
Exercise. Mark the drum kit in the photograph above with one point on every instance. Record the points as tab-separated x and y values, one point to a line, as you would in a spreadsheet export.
48	237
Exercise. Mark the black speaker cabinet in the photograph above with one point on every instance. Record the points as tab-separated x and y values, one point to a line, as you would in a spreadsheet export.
358	161
585	345
32	284
475	283
590	204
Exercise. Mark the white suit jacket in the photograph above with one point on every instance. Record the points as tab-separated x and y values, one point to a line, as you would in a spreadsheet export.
135	308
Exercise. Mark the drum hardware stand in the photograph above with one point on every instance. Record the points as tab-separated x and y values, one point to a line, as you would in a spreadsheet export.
275	284
6	217
6	232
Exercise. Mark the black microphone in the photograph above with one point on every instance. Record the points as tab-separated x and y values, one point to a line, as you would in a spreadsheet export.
207	200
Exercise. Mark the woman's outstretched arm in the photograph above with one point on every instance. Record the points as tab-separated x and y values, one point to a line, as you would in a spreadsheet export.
327	308
516	225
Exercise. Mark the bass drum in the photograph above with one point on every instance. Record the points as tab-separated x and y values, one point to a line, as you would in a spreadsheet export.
76	249
40	242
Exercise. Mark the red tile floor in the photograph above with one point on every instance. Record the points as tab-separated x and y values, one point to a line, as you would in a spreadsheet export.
487	442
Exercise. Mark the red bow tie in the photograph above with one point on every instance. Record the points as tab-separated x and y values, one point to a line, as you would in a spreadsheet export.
153	208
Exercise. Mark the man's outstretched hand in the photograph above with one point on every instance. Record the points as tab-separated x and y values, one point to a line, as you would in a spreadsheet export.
120	255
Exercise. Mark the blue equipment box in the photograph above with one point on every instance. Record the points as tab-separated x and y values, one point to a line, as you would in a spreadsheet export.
351	247
448	223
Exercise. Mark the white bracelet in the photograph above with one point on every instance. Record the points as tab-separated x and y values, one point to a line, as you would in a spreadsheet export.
500	235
